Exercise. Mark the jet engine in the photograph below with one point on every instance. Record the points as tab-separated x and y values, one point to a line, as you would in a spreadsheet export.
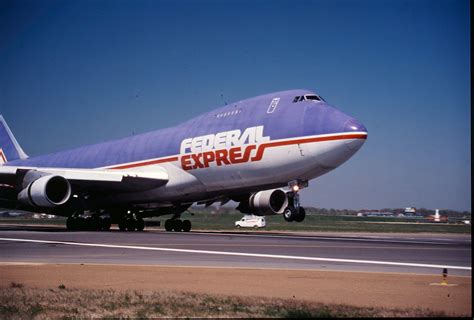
46	192
264	203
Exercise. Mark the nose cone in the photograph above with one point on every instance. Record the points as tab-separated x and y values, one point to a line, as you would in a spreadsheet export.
360	134
353	125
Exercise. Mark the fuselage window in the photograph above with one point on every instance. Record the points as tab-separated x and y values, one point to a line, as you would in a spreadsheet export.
228	113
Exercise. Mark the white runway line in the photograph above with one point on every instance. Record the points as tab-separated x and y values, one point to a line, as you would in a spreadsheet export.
242	254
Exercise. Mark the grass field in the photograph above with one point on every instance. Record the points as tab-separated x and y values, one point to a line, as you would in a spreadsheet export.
313	222
330	223
19	302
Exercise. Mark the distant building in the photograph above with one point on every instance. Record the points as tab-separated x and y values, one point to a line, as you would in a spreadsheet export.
410	211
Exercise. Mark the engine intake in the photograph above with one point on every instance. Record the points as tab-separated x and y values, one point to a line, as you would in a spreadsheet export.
46	192
268	202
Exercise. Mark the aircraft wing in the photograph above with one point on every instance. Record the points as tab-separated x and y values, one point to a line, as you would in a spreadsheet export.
101	181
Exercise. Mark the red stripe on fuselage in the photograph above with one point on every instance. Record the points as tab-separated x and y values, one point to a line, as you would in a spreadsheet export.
263	146
260	151
146	163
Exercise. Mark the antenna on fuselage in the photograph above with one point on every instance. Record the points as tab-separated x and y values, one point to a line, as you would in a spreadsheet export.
222	98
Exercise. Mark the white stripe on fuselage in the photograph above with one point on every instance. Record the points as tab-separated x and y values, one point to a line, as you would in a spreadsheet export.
173	160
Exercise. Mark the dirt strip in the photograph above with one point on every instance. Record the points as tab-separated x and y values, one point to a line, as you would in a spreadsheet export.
390	290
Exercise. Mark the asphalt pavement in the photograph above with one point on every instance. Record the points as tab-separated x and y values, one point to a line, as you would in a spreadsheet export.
421	254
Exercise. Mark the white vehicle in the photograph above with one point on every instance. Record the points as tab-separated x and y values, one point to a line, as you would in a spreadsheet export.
251	222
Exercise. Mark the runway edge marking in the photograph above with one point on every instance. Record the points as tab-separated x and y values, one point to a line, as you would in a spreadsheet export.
255	255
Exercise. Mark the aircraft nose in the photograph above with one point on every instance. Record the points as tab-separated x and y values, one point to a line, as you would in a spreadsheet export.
352	125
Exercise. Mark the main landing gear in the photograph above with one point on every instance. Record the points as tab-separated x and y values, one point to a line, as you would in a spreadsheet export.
131	223
127	222
91	223
177	225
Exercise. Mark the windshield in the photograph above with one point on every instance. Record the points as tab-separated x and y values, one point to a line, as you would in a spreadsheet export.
312	97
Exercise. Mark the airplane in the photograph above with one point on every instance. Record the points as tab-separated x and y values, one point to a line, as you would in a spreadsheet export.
259	152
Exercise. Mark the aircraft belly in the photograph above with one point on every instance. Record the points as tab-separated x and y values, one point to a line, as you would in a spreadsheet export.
325	156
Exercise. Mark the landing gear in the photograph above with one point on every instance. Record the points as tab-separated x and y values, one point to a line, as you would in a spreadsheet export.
294	212
93	223
289	214
177	225
131	223
301	215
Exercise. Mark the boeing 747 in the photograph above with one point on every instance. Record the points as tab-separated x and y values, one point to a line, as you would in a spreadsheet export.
258	152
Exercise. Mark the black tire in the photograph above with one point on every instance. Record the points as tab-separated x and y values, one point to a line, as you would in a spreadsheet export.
106	224
186	226
301	215
83	224
122	225
178	225
169	225
289	214
130	225
140	224
95	223
71	224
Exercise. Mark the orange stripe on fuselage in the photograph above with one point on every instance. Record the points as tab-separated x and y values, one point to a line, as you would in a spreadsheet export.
260	151
263	146
146	163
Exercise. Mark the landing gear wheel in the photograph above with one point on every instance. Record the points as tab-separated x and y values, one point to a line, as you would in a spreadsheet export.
301	215
122	225
130	224
169	225
178	225
71	223
186	225
105	224
140	224
95	223
289	214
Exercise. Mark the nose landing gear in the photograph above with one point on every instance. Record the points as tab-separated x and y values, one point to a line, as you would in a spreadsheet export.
294	212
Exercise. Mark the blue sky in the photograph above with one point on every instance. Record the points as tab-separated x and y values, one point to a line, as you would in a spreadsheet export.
79	72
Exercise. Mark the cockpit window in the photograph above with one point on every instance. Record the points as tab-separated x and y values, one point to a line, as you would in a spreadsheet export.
308	97
312	97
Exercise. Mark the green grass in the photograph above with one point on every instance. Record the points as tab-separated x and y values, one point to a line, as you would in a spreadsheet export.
28	303
204	220
329	223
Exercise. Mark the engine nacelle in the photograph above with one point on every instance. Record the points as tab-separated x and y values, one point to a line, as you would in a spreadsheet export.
268	202
46	192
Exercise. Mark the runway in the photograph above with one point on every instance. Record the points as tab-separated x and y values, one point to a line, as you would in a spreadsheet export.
424	254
